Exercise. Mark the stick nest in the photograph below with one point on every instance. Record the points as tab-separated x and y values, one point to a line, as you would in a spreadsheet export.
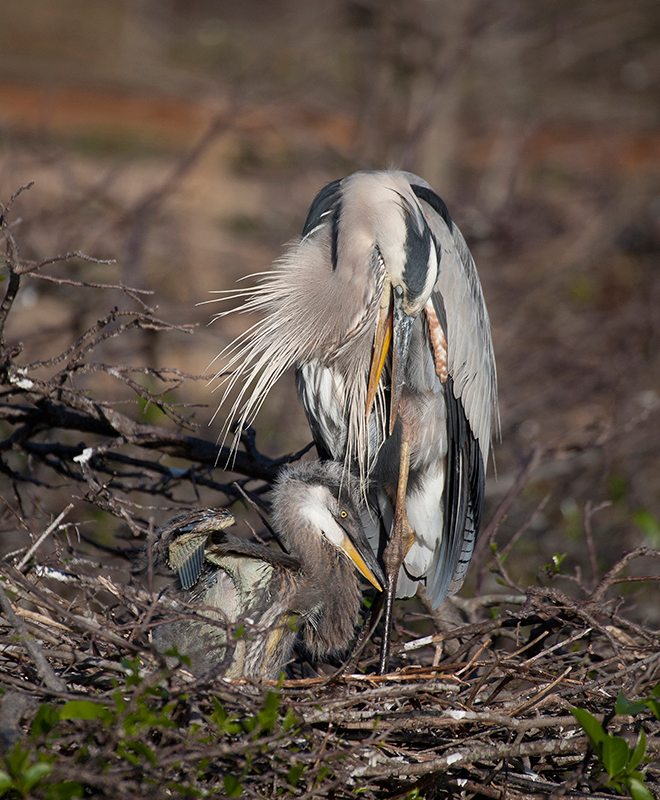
480	710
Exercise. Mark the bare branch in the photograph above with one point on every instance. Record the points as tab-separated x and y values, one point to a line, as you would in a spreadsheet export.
31	645
43	537
29	267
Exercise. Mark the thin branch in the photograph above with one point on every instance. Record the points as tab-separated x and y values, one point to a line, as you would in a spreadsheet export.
480	753
53	526
28	267
608	579
31	645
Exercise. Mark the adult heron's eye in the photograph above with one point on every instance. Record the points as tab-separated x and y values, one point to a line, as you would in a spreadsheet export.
343	514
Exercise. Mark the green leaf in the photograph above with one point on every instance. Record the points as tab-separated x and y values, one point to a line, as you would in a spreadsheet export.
653	705
141	749
638	790
45	720
176	654
34	774
82	709
5	782
224	722
184	789
120	703
66	790
268	715
555	567
656	690
133	669
591	727
290	720
624	706
233	786
557	559
128	755
638	752
616	755
295	773
17	759
249	724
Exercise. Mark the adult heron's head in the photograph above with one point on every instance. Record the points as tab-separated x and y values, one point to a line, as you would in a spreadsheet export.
346	294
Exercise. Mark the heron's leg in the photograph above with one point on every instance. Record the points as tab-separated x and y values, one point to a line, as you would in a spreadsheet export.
400	541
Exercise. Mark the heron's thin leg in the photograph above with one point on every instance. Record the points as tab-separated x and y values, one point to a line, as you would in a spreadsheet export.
400	542
387	626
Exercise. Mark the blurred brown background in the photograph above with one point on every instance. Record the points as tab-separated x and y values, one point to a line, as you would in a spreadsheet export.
186	139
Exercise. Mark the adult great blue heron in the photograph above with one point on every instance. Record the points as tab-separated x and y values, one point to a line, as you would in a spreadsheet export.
229	582
380	309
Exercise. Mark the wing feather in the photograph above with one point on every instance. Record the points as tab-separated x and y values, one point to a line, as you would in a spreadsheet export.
470	357
471	394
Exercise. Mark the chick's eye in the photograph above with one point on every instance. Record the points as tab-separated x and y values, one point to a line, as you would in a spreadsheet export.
343	514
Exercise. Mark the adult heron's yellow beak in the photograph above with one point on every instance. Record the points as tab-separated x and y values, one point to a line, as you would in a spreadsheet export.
381	344
394	327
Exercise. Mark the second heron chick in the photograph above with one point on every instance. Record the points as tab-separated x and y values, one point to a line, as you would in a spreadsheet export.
268	595
316	516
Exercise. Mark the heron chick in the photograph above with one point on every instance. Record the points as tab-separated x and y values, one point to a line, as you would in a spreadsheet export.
233	585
